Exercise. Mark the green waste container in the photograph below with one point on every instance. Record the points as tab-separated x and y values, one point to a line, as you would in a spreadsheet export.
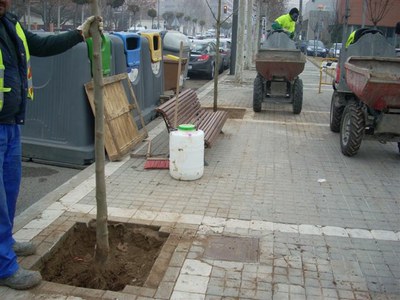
105	53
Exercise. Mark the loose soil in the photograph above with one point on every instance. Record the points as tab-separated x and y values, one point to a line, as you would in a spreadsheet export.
133	251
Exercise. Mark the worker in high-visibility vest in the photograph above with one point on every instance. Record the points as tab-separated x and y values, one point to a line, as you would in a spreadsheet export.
16	46
287	22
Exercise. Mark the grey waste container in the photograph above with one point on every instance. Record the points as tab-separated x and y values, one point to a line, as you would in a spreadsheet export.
59	121
153	70
127	53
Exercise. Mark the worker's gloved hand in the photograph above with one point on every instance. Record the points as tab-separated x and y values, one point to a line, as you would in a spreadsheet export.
85	27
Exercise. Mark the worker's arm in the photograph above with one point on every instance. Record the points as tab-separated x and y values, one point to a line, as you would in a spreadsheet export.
52	44
276	26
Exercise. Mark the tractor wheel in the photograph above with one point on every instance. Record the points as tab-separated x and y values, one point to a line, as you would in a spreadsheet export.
352	129
258	93
297	96
336	113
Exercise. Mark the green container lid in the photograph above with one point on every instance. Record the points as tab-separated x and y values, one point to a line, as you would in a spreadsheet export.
105	53
187	127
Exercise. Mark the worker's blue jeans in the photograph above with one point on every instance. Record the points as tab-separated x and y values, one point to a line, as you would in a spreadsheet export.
10	179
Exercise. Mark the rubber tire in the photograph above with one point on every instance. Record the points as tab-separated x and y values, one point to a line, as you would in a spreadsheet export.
212	73
336	113
258	93
352	128
297	96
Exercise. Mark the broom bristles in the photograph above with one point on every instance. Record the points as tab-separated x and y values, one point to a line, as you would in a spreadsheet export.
157	164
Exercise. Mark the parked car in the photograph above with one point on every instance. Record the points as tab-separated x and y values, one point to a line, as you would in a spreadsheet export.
203	56
316	48
225	50
335	50
302	45
137	28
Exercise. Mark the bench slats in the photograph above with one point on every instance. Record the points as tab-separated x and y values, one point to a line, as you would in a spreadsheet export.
190	111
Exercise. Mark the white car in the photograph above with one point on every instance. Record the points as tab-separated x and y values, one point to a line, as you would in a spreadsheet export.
335	50
137	28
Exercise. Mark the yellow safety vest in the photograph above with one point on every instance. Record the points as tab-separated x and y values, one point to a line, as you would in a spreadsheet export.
286	22
4	89
350	39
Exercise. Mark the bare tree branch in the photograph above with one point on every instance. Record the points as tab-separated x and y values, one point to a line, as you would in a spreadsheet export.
377	9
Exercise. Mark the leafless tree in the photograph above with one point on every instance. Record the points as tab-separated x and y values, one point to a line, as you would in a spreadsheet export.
377	10
333	23
275	8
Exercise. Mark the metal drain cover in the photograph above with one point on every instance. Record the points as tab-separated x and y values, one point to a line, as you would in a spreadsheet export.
240	249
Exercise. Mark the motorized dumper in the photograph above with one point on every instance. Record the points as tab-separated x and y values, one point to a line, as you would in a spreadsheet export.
278	60
366	98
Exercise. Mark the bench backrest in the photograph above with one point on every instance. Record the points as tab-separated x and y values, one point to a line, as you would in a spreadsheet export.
188	107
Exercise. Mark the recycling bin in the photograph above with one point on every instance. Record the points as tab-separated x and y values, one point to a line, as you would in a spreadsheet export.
171	66
132	45
127	55
59	121
152	76
171	41
154	40
105	53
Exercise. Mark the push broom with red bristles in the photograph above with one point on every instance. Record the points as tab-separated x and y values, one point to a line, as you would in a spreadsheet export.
160	162
155	162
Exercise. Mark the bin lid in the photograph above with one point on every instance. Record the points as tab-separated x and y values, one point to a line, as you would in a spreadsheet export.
187	127
172	41
174	58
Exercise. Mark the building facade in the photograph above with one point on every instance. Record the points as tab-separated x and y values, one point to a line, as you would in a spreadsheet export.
356	19
318	18
324	19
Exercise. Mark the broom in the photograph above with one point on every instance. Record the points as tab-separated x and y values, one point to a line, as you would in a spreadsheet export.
160	162
155	162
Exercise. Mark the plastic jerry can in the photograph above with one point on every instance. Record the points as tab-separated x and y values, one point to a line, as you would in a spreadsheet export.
186	153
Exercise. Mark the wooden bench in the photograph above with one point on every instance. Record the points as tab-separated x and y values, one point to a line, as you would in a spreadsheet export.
191	112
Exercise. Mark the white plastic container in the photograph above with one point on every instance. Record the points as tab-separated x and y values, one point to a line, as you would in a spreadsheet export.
186	153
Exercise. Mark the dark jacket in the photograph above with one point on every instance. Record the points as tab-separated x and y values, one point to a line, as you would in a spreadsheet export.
15	63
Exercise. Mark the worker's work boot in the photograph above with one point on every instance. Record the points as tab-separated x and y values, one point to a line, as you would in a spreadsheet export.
22	279
24	248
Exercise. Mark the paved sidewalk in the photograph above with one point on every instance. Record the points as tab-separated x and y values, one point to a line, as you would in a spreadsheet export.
279	213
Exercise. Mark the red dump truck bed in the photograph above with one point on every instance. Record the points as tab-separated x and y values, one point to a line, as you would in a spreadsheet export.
280	63
374	80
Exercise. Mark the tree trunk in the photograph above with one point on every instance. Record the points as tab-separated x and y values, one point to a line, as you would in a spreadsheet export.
249	36
216	73
102	243
240	45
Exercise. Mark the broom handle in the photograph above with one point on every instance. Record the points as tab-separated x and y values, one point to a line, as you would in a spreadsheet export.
177	85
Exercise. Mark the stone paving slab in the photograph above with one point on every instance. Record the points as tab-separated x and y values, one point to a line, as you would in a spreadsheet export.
327	226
